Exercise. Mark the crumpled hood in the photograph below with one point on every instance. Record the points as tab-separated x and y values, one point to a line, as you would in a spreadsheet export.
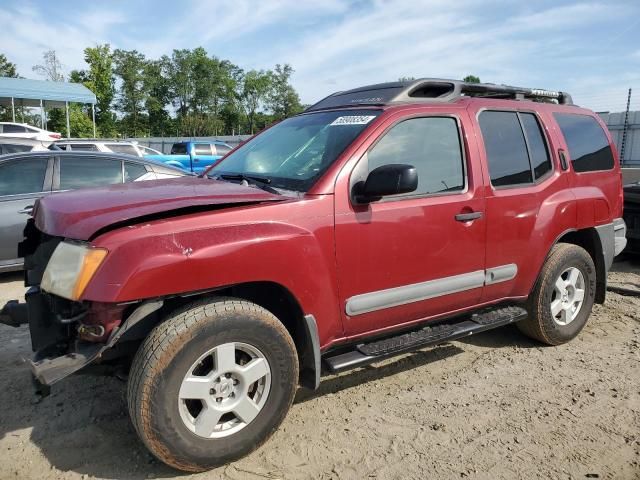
80	214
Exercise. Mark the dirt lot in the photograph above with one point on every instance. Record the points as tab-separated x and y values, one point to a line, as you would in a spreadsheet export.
494	406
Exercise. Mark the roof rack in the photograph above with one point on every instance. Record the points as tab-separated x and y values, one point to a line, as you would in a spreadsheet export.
430	90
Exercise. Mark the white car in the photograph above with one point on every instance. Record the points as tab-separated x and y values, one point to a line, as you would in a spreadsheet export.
22	130
20	144
148	150
108	146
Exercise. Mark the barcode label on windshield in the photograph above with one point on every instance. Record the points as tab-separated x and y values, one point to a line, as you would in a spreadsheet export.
353	120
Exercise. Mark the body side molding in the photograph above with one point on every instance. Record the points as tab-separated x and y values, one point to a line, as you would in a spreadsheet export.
416	292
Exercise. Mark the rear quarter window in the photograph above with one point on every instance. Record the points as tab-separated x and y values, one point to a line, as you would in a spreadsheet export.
588	145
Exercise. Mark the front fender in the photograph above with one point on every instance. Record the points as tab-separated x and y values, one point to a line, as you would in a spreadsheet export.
180	256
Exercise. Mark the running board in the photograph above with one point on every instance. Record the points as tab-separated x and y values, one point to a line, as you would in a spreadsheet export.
372	352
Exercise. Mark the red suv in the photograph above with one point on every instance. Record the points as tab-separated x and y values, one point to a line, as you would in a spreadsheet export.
383	219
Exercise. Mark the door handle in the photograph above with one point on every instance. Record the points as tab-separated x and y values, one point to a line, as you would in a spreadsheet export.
468	217
28	210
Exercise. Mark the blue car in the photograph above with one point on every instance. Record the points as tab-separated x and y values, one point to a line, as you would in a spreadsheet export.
193	156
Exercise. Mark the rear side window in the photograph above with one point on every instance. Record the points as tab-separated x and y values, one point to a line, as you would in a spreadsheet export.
432	145
203	149
587	143
12	148
89	171
221	149
506	148
123	148
22	176
179	149
133	171
13	129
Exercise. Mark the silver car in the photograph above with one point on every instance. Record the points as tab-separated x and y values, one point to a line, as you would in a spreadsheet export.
25	177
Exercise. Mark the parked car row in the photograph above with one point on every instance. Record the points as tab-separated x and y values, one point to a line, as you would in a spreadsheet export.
26	177
192	156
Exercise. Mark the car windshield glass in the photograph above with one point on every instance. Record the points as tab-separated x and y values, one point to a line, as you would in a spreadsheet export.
296	152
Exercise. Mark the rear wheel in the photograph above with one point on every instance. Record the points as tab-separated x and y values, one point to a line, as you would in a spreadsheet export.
212	383
562	299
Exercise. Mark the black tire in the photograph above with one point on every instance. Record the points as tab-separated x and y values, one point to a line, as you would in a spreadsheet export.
540	324
168	353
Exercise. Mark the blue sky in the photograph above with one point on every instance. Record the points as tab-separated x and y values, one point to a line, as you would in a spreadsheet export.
590	49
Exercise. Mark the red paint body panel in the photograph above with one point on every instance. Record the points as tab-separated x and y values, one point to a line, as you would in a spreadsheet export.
324	249
288	243
405	241
80	213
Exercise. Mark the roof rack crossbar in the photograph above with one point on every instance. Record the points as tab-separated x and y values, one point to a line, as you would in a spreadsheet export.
434	90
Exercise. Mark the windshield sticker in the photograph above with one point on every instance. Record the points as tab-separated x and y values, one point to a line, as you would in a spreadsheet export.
353	120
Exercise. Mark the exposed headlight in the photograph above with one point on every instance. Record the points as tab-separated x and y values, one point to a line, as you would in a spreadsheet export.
70	268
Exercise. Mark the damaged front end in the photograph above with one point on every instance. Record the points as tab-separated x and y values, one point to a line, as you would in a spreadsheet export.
67	335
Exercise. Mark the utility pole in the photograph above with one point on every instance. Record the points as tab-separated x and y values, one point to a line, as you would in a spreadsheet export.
625	128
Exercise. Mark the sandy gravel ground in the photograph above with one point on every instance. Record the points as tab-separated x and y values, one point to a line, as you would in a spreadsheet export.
494	406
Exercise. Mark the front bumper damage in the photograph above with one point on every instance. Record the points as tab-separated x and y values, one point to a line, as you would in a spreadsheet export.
63	344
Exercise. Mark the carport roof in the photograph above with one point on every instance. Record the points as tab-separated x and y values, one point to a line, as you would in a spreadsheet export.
28	93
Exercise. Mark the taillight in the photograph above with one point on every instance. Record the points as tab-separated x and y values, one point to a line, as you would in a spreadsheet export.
57	136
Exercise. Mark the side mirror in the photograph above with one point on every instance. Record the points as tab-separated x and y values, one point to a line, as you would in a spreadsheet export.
387	180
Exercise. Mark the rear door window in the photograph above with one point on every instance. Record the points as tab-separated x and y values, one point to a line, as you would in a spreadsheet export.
23	176
179	149
506	148
84	172
203	149
588	145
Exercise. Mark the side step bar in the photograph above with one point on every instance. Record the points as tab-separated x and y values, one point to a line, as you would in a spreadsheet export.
366	353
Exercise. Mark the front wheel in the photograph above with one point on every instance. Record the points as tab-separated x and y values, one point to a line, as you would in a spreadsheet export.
212	383
563	297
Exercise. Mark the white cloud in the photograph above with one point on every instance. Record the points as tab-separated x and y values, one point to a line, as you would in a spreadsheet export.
337	44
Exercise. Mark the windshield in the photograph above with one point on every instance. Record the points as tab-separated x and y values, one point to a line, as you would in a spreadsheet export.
294	153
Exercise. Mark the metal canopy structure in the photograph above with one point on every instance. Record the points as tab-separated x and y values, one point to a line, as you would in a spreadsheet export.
21	92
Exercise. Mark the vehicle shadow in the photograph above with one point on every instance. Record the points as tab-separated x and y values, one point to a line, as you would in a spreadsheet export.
373	372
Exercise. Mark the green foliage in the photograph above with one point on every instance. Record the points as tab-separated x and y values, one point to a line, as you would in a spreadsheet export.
189	93
99	78
282	98
7	68
129	65
471	79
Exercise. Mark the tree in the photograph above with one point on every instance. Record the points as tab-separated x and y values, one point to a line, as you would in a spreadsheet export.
51	69
129	66
283	99
158	95
7	68
255	88
100	80
471	79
